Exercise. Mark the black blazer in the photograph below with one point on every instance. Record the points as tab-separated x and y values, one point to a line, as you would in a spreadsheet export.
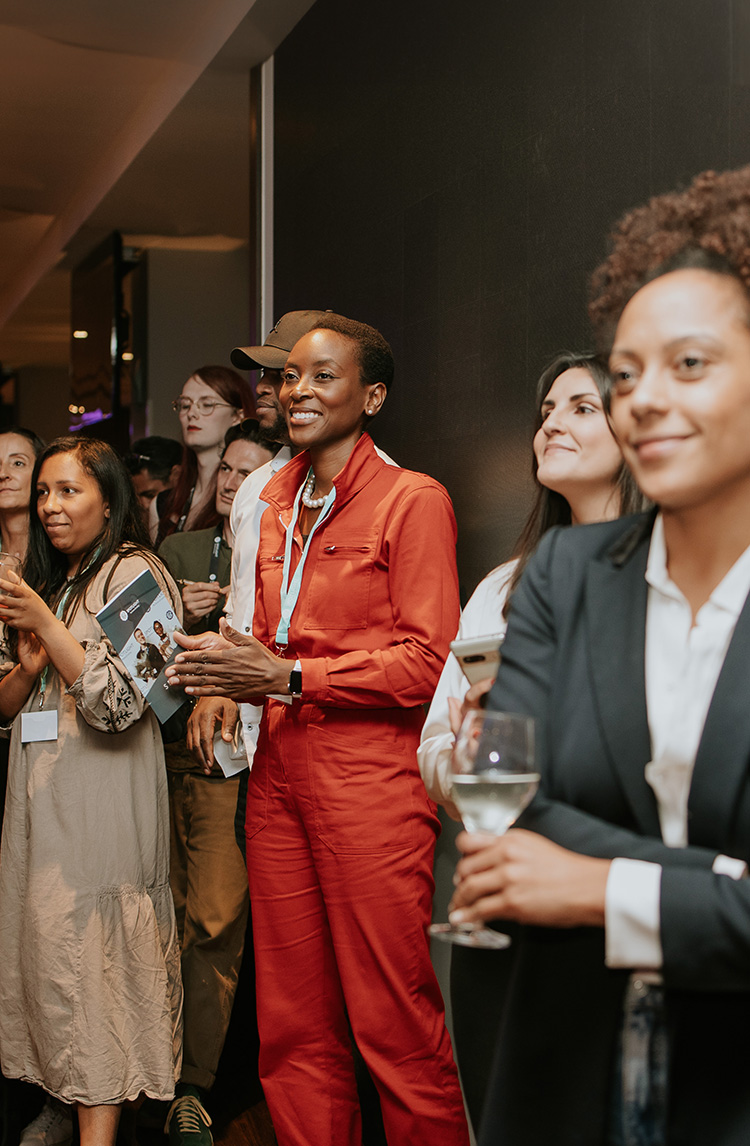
573	657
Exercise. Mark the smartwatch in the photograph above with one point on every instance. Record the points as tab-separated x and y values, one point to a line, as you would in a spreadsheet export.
295	680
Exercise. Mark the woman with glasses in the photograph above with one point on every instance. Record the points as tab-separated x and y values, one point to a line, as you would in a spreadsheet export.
213	399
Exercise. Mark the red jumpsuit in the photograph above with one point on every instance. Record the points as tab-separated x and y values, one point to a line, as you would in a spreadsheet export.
340	831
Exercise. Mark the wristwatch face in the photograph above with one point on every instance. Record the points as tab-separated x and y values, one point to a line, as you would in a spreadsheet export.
295	682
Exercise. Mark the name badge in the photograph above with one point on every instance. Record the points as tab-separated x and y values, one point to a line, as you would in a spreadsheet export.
38	726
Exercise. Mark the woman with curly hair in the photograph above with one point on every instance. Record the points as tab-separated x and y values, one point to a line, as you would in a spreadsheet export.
629	642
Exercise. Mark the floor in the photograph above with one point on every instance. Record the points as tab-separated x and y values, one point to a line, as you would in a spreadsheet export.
252	1127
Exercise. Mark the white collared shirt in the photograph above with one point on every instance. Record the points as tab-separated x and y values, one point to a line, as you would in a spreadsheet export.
682	665
244	522
482	616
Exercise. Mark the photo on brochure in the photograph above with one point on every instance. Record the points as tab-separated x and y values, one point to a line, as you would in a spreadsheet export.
141	623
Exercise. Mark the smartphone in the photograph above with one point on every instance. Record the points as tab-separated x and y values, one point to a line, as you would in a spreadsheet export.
231	755
479	657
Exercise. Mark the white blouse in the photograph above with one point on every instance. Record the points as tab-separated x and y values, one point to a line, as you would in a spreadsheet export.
482	616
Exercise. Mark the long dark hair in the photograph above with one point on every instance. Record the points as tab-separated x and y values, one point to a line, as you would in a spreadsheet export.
550	508
232	388
46	568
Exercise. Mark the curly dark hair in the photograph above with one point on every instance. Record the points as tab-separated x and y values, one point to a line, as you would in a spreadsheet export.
704	227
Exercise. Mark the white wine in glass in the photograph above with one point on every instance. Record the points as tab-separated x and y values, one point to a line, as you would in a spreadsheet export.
494	778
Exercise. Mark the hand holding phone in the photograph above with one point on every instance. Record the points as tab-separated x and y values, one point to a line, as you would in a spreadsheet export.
479	657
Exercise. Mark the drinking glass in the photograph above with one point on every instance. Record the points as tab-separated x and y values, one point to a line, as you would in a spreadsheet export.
10	567
494	778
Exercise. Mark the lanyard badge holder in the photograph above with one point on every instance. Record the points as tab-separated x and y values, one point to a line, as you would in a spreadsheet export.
42	725
290	592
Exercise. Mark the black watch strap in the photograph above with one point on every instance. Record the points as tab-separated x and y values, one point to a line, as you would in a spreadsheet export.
295	680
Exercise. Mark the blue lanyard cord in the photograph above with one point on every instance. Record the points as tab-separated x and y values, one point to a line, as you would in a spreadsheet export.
290	593
59	614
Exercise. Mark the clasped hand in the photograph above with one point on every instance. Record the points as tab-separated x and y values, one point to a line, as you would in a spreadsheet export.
232	664
22	608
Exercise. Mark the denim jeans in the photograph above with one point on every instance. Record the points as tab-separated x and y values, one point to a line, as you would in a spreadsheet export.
639	1099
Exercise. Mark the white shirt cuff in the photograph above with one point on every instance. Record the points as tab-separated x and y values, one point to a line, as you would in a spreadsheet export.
631	910
725	865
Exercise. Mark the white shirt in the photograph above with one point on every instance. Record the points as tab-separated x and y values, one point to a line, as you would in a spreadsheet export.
682	665
482	616
244	522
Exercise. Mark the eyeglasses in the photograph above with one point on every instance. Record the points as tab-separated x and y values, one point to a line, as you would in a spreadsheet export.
203	405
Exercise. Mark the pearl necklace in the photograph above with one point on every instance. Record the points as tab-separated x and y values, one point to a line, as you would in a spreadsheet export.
307	498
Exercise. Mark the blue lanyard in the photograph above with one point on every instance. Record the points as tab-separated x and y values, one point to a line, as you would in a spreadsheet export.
59	614
43	676
290	593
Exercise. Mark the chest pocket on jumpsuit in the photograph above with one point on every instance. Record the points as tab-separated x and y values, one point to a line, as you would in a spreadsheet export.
339	589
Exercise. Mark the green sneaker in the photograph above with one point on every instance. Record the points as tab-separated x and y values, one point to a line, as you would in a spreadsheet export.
188	1122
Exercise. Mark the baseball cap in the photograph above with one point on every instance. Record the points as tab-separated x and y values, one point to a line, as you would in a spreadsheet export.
275	350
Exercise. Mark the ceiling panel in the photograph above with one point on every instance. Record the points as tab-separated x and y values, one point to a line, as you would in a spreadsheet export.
119	117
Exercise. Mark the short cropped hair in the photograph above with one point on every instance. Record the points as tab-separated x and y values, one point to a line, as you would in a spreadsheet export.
374	355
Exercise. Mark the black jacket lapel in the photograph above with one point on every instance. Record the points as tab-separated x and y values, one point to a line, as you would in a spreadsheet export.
724	750
616	595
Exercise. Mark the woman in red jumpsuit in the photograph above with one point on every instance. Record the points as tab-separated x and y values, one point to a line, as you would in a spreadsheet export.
357	599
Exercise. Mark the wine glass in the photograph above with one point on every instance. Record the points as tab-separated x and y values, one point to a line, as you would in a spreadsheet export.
494	778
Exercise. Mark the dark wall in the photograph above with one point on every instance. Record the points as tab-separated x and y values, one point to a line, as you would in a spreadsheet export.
449	172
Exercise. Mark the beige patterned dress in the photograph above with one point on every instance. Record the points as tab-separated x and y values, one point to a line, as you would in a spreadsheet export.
90	991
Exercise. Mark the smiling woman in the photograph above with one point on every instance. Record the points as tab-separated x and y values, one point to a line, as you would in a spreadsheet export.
90	993
682	401
357	599
70	506
576	453
19	449
636	921
580	478
327	397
